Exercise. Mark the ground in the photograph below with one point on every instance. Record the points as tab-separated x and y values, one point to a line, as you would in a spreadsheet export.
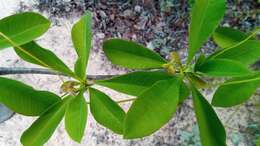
160	25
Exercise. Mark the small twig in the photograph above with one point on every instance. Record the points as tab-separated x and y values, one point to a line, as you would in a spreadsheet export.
121	101
19	70
125	100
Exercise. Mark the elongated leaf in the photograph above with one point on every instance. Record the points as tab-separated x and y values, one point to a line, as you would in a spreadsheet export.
134	83
223	67
131	55
236	91
197	81
22	28
184	92
202	58
226	37
205	17
42	129
76	117
152	109
106	112
23	99
33	53
82	37
246	53
212	132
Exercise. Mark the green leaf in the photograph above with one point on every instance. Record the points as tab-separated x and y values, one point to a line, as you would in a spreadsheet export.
134	83
131	55
106	112
42	129
226	37
258	141
212	132
246	53
202	58
76	117
241	49
82	37
236	91
33	53
205	17
152	109
184	92
223	67
22	28
25	100
197	81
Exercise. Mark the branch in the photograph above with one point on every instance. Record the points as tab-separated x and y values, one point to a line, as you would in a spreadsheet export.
20	70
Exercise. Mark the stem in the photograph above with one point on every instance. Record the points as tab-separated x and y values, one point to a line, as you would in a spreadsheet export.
122	101
125	100
20	70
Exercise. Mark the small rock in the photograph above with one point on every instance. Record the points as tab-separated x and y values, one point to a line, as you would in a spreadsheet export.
101	35
226	25
128	13
141	25
112	17
102	14
67	9
138	9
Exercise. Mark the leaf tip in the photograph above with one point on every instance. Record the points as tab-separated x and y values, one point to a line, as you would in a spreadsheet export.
77	139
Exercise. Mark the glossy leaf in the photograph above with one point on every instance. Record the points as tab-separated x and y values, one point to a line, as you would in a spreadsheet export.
22	28
82	37
246	53
131	55
226	37
42	129
134	83
33	53
212	132
152	109
23	99
106	112
236	91
76	117
205	17
223	67
202	58
197	81
184	92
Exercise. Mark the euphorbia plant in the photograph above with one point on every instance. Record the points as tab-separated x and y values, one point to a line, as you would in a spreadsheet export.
160	86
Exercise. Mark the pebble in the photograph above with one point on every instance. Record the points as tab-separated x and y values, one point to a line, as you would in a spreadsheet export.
102	14
138	9
128	13
226	25
101	35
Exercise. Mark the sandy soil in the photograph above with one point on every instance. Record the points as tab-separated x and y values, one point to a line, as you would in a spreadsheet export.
58	40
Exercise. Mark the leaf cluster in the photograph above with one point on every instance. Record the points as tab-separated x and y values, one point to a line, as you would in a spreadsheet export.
159	86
